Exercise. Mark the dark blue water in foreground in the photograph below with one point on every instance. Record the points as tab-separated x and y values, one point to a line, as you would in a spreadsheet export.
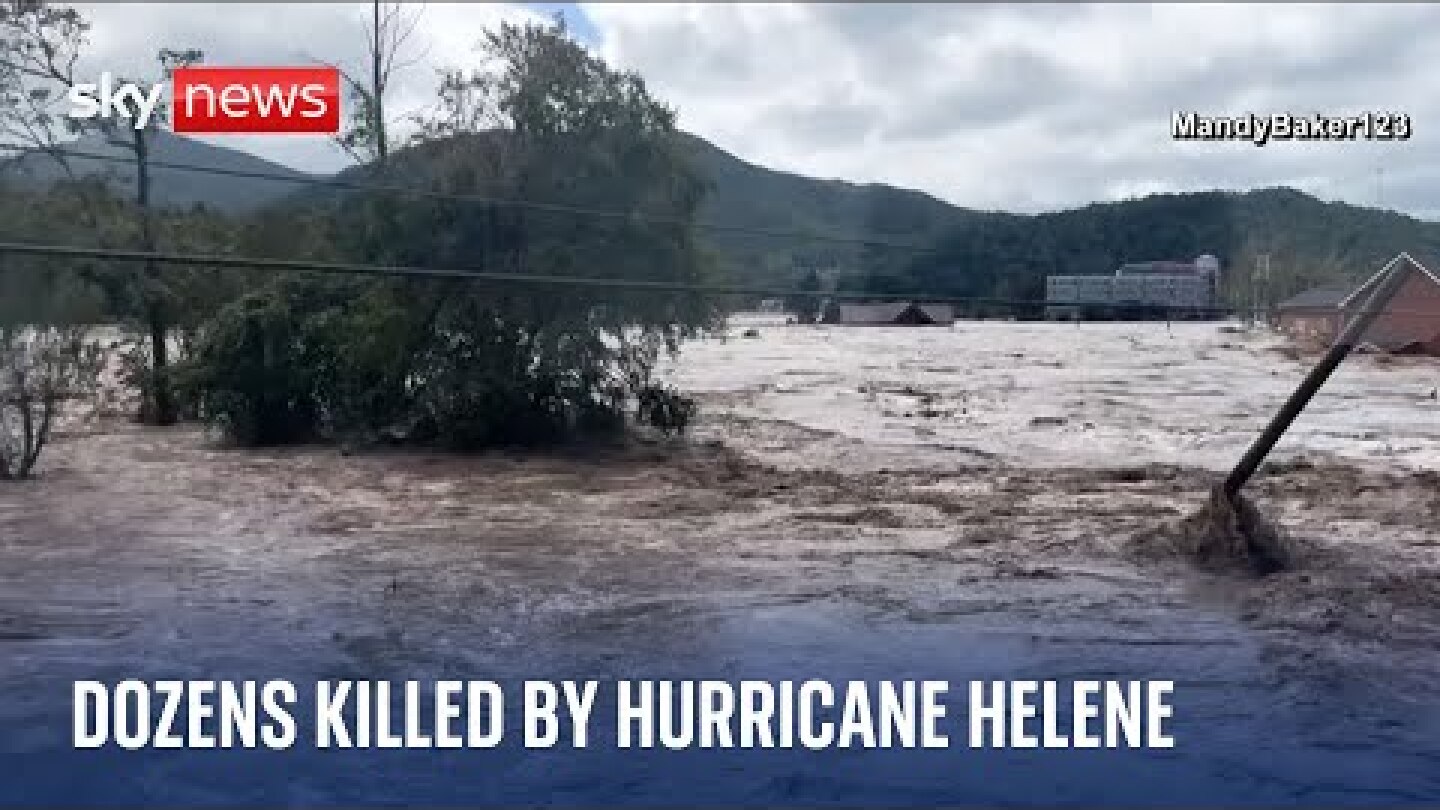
1245	736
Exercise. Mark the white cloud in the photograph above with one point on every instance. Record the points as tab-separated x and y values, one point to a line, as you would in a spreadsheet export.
1013	106
1030	106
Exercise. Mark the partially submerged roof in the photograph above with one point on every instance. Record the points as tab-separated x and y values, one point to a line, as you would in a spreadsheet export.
1317	298
908	313
939	313
871	313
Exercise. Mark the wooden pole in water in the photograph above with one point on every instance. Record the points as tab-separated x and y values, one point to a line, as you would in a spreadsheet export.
1396	271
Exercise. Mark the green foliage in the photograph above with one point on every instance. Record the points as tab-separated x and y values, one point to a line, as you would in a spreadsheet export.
44	291
41	291
664	408
33	294
466	364
1308	242
1000	255
257	372
746	196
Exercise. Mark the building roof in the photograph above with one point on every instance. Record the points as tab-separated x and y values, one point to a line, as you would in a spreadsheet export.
896	313
939	313
1340	297
1316	298
871	313
1163	266
1408	335
1375	279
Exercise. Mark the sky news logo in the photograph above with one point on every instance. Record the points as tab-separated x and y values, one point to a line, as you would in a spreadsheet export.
222	100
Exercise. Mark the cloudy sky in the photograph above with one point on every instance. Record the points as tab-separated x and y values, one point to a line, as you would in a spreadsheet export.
1022	107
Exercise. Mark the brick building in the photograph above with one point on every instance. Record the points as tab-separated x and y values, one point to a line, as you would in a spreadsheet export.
1410	324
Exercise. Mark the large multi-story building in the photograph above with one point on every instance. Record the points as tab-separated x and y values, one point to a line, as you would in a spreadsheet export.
1137	290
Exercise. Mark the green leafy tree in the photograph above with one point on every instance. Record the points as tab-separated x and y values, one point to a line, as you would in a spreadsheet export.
470	364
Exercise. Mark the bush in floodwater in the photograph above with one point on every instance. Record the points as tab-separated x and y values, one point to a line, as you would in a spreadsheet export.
256	372
411	363
41	369
664	408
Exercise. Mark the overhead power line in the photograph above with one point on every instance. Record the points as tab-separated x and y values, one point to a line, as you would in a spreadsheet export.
408	271
483	199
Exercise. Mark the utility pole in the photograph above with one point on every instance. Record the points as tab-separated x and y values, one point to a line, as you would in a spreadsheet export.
1252	297
377	83
1264	309
1394	275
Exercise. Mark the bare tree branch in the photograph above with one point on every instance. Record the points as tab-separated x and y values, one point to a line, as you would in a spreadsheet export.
391	27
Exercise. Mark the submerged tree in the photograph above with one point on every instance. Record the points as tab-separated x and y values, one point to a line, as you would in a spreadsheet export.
154	305
41	369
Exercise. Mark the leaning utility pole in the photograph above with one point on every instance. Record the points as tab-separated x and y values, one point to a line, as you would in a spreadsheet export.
1391	279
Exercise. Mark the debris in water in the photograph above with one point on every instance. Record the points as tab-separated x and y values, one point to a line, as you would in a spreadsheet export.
1227	532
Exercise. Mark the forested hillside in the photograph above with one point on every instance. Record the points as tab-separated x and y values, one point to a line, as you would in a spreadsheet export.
1308	242
170	188
746	197
771	228
763	227
997	254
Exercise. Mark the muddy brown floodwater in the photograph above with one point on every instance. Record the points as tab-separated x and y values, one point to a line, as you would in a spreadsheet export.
158	554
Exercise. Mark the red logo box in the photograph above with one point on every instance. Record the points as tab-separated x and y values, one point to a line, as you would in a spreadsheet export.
216	100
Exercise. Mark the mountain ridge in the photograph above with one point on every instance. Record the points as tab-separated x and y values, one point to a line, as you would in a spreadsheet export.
870	235
170	188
